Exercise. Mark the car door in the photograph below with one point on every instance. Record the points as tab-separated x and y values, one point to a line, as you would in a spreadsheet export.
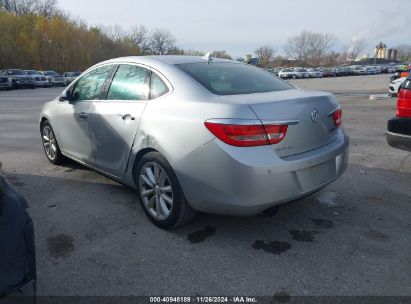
74	114
115	121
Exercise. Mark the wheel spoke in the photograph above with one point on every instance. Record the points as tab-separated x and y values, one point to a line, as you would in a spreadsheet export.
164	208
167	199
158	208
166	189
147	192
150	175
147	181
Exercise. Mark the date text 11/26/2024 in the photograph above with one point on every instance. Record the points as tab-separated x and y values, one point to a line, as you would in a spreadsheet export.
199	299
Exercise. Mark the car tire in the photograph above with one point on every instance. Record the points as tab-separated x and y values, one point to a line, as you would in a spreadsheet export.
50	145
160	193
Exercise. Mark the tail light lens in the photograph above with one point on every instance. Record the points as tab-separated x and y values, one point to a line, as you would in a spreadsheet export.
248	135
404	104
337	117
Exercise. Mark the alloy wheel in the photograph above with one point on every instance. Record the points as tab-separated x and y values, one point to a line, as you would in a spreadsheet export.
49	143
156	190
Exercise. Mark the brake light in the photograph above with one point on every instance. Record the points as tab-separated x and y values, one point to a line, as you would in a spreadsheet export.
248	135
404	104
337	117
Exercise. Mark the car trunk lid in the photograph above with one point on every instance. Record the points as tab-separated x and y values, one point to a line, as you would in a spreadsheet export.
311	109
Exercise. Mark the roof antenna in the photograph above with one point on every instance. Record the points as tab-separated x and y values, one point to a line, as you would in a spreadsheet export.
208	57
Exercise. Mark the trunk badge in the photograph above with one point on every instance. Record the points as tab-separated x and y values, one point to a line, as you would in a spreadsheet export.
315	116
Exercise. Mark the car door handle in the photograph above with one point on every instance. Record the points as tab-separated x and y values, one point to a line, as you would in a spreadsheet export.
83	116
126	117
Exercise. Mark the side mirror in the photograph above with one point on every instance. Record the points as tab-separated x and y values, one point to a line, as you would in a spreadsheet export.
65	96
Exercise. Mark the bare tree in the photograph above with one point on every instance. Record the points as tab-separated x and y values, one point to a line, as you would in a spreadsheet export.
404	53
45	8
355	50
160	42
310	48
194	52
221	54
139	36
266	54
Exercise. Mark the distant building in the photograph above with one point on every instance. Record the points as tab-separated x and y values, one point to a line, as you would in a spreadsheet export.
251	60
381	52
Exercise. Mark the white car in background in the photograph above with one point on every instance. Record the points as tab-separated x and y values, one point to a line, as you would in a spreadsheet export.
315	73
287	74
395	86
54	79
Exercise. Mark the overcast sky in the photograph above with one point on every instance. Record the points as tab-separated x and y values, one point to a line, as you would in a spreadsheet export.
239	27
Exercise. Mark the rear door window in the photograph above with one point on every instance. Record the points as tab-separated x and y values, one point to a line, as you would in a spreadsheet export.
129	83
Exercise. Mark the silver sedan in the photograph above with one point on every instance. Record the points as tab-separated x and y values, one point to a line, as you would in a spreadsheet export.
197	134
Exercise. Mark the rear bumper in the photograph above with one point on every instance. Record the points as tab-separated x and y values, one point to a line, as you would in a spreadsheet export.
222	179
399	133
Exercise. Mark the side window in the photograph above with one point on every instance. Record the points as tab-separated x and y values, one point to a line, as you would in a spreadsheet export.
89	86
158	87
129	83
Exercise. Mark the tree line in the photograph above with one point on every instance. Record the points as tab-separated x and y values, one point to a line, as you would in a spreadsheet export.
35	34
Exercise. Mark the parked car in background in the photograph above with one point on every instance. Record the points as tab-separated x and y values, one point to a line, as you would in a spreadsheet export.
399	127
372	70
358	70
327	72
286	74
301	73
283	143
71	76
391	69
6	82
17	250
395	86
315	73
341	71
54	79
38	79
18	78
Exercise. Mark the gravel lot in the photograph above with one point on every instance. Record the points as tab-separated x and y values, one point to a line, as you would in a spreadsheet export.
92	237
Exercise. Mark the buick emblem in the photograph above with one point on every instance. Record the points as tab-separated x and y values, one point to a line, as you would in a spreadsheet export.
315	115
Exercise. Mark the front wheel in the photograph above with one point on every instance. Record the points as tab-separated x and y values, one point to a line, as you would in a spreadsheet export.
50	145
160	193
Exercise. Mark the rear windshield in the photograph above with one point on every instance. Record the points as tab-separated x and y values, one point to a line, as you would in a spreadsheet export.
233	78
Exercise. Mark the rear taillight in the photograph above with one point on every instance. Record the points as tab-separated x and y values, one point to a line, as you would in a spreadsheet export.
248	135
404	104
337	117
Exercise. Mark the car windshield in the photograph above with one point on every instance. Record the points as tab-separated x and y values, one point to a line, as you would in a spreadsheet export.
233	78
287	70
16	72
50	73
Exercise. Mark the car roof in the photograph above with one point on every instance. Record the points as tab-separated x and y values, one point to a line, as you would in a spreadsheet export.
168	59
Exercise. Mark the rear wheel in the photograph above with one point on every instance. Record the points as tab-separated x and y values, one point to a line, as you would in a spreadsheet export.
160	193
50	145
